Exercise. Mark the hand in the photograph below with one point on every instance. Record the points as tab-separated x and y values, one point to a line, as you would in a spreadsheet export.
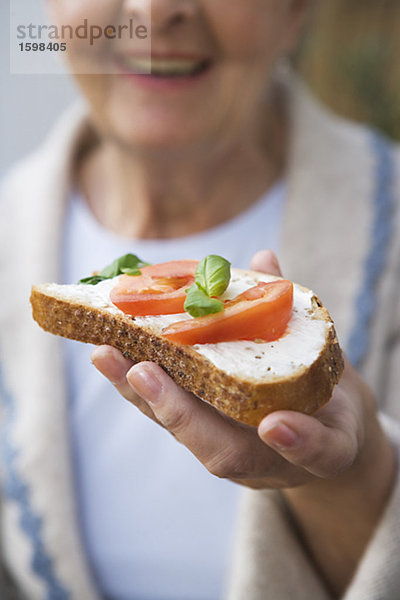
288	449
336	468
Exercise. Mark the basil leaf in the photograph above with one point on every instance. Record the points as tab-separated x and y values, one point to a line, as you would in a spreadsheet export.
199	304
129	264
128	271
128	261
213	274
93	280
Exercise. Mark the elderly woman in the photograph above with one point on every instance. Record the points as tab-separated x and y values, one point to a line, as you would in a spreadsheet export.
211	150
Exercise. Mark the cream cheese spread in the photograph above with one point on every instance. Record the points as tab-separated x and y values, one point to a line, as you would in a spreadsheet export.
297	349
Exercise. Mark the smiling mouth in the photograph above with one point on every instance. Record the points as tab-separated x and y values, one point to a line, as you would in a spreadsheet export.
164	67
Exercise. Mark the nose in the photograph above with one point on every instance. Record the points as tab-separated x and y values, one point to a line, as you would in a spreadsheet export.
162	14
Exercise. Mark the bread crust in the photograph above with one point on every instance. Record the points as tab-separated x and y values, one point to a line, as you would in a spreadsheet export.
244	400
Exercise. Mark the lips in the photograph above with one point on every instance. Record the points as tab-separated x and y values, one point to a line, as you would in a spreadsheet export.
164	67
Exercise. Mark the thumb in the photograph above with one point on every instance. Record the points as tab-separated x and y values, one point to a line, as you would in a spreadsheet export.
266	262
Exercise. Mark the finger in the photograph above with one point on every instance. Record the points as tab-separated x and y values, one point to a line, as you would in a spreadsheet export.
225	447
323	450
266	262
115	367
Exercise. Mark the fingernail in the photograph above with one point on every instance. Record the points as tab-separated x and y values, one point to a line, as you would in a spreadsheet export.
279	436
145	383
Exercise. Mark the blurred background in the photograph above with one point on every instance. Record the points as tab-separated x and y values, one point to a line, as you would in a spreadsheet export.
350	58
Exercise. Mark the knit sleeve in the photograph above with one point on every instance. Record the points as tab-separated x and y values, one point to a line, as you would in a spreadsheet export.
270	561
378	573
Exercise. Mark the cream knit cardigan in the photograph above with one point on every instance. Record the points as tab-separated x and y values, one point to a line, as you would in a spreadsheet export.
341	238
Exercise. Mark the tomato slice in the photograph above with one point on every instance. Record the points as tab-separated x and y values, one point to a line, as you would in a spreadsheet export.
261	312
159	290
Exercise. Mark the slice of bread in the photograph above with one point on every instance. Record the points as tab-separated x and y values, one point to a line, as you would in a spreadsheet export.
244	379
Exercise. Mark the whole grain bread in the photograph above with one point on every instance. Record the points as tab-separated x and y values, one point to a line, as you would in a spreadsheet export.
246	399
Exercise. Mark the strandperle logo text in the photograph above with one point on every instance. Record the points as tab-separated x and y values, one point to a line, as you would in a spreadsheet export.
84	31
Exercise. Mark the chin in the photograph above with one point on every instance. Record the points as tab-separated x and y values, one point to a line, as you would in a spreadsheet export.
155	132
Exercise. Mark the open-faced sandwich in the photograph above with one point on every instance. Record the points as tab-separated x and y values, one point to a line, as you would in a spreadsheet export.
246	342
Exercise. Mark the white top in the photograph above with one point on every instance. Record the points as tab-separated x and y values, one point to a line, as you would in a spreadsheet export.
155	524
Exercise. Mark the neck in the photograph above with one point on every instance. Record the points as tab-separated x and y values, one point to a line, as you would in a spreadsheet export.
159	196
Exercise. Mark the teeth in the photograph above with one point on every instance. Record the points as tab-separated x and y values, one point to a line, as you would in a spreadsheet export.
162	66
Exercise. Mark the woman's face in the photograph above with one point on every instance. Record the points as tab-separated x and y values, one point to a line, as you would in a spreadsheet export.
210	61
